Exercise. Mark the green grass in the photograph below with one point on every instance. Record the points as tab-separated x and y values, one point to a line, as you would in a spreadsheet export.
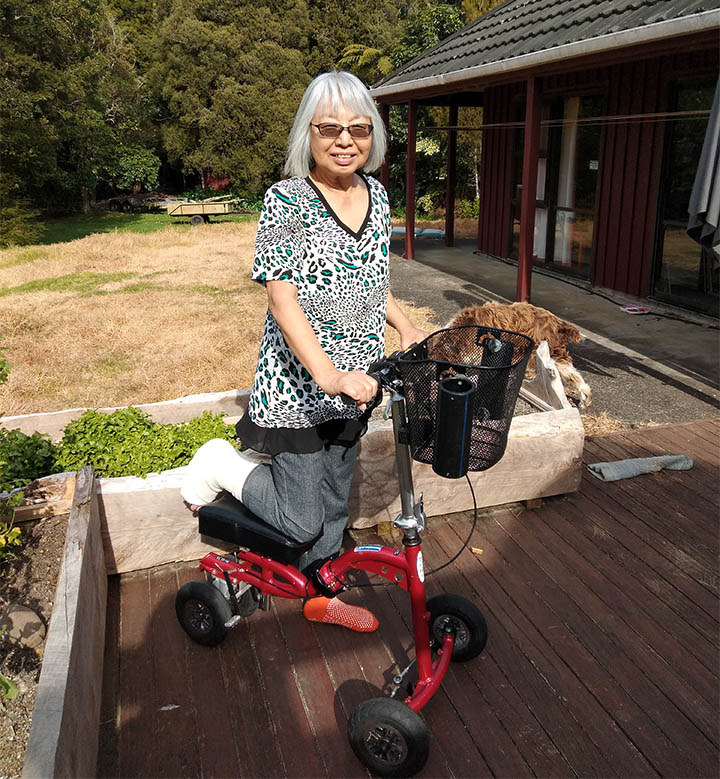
85	283
73	227
26	255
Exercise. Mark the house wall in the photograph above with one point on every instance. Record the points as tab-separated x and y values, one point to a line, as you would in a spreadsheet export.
630	163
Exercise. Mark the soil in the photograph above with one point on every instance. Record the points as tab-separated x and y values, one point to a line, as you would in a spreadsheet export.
29	578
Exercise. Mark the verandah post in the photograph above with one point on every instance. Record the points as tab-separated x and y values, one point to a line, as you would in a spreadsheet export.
451	178
410	182
529	189
385	167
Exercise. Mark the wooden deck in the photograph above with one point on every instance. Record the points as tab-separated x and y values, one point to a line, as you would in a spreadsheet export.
602	658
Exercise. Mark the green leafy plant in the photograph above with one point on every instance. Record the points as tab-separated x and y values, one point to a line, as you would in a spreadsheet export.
7	688
10	536
24	458
467	209
127	442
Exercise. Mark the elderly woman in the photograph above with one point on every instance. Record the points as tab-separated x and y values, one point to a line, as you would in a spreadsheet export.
321	252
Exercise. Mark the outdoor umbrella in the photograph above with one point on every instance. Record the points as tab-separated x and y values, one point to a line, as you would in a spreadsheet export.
704	207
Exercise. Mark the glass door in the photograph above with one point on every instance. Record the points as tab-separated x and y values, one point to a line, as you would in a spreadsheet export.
567	180
685	273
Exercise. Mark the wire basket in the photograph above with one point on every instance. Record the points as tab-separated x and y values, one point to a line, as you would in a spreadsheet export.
460	387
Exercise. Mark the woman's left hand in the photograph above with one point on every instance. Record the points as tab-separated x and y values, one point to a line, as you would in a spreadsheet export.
412	336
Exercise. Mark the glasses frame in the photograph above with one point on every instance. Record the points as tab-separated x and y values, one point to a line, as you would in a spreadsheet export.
349	128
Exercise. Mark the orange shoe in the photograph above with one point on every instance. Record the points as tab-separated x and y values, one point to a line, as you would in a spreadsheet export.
334	612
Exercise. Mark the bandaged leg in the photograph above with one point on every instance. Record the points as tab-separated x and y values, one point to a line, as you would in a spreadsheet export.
218	466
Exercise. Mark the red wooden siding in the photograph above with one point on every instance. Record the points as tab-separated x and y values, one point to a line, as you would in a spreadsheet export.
494	217
629	180
630	163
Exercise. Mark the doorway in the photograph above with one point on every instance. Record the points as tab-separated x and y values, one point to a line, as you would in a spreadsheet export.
686	274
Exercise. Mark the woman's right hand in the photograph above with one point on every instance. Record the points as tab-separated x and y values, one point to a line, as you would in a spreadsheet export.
357	384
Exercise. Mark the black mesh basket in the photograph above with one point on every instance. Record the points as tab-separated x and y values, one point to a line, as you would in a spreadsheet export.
460	387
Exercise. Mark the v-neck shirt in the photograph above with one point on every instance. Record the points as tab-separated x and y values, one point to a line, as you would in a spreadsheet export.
342	279
356	234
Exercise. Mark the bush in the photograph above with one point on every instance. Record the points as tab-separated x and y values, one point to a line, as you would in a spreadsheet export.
24	458
19	225
128	442
467	209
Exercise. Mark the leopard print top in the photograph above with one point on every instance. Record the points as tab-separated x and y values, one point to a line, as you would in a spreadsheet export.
342	278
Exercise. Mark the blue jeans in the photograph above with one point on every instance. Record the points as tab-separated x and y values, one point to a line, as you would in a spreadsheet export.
300	494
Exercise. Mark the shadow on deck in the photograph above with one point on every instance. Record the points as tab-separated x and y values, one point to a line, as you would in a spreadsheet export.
602	659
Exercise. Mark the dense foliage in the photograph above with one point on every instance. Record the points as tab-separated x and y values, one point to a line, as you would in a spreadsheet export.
128	442
98	96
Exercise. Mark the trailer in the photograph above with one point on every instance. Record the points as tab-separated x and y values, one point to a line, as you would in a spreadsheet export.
201	212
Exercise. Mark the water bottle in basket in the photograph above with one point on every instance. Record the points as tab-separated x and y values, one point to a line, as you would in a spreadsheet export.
461	389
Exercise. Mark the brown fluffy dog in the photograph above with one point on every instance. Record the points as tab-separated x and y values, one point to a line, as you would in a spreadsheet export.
540	325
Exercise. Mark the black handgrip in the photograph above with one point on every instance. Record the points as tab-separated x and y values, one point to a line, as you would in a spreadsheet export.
347	399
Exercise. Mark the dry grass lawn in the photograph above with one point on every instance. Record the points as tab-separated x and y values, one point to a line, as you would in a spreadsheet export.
125	318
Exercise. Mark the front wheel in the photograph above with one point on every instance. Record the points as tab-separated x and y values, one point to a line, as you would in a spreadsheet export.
388	737
202	612
464	618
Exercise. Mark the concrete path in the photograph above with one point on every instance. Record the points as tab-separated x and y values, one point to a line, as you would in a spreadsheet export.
648	368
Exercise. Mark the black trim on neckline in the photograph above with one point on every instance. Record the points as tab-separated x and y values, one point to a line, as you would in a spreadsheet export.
356	235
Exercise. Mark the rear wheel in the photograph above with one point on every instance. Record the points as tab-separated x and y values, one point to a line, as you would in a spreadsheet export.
388	737
196	219
464	618
202	612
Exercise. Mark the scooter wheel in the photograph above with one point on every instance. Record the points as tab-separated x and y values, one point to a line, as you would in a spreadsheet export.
202	612
467	620
388	737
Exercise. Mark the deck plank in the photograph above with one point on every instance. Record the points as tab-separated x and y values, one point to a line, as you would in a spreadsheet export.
210	693
602	609
137	720
108	742
174	707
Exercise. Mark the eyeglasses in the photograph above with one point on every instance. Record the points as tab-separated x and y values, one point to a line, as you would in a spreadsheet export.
329	130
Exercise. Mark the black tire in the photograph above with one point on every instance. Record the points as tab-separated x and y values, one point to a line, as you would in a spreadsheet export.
113	205
388	737
196	219
127	207
202	612
471	631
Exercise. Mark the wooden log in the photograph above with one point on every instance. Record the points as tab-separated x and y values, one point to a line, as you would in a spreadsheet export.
546	390
145	522
63	738
62	489
233	403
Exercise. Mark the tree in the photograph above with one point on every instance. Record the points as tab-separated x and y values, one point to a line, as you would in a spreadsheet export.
229	76
69	100
476	8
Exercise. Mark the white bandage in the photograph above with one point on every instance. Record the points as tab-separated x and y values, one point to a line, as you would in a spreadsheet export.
218	466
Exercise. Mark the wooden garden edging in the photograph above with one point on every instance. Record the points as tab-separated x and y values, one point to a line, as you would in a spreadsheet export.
64	734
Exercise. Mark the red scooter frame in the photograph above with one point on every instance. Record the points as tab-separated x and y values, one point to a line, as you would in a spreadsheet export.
270	577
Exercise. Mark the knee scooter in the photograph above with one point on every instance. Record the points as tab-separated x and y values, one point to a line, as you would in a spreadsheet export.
450	397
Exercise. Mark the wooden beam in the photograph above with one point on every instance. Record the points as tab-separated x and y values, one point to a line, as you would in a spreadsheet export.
64	734
410	181
529	189
451	178
385	167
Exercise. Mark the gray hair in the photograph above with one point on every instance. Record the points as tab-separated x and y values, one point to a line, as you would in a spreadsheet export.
331	89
